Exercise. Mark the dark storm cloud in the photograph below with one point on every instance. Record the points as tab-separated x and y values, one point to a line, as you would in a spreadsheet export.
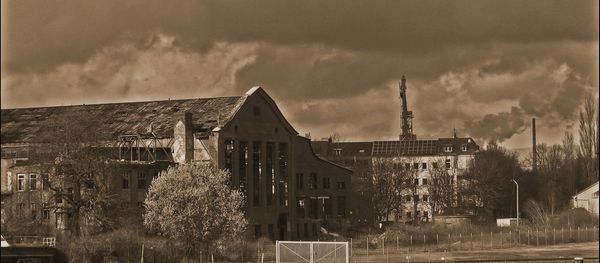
40	35
483	67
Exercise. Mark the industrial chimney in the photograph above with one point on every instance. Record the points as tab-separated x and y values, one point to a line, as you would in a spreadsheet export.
534	149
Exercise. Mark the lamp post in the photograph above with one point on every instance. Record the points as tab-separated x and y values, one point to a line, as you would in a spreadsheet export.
517	200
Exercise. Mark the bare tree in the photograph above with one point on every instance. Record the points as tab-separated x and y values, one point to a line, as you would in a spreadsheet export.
442	190
384	187
550	160
588	140
69	150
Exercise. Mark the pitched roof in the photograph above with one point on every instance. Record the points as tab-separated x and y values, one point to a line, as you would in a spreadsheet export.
21	125
395	148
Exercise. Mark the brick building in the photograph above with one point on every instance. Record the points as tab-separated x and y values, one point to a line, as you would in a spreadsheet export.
452	154
290	191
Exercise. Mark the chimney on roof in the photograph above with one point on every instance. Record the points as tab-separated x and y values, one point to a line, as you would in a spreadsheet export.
454	132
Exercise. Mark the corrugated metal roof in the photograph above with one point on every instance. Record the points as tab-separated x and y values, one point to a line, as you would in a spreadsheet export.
22	125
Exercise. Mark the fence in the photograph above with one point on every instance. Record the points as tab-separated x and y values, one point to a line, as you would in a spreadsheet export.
471	240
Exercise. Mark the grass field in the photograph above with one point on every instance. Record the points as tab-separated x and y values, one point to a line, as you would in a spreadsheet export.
566	251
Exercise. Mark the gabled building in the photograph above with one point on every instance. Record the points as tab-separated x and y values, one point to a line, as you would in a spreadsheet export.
246	135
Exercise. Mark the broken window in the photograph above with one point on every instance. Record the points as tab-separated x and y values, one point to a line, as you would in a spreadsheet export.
243	156
283	174
270	175
256	172
20	182
229	146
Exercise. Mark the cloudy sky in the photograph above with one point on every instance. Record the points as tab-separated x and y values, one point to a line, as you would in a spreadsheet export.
482	67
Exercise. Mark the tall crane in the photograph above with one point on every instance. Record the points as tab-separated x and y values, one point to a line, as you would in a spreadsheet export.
407	116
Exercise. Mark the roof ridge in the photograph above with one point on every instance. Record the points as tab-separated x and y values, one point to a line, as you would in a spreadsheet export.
124	102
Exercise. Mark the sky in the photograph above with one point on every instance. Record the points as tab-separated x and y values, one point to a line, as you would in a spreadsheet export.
484	68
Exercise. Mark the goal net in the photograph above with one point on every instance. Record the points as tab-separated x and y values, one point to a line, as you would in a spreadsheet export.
311	252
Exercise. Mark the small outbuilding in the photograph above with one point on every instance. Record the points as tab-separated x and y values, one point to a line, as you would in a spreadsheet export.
587	198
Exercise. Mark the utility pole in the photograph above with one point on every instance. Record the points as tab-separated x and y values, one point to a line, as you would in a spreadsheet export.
517	200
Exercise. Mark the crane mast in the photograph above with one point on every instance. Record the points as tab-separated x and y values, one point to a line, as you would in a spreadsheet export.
406	117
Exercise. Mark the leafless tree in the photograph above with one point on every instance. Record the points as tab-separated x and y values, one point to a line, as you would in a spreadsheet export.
384	186
442	190
588	140
70	151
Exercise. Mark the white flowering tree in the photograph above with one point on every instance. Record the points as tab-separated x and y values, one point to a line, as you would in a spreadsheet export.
193	204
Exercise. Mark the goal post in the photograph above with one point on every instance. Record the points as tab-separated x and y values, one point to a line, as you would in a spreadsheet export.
312	252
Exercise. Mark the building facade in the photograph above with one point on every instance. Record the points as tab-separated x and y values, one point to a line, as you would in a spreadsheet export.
246	135
587	199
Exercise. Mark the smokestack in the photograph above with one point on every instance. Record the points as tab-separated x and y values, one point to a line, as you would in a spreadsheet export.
534	144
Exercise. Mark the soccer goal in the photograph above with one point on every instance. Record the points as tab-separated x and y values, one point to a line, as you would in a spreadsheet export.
311	252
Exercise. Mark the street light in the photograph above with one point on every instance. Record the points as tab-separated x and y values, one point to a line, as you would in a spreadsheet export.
517	200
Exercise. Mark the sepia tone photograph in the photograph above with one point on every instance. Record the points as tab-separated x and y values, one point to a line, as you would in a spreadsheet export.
202	131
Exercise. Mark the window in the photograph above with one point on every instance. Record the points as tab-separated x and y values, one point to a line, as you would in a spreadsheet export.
448	164
326	183
305	229
270	174
435	165
313	209
595	195
408	198
243	156
447	149
140	204
229	155
312	181
256	111
464	148
45	182
416	197
327	206
300	207
20	209
416	182
45	212
425	198
424	181
341	205
33	182
416	166
408	214
407	166
271	232
341	185
33	207
124	205
337	152
299	181
257	231
283	174
141	180
20	182
424	166
256	171
126	179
